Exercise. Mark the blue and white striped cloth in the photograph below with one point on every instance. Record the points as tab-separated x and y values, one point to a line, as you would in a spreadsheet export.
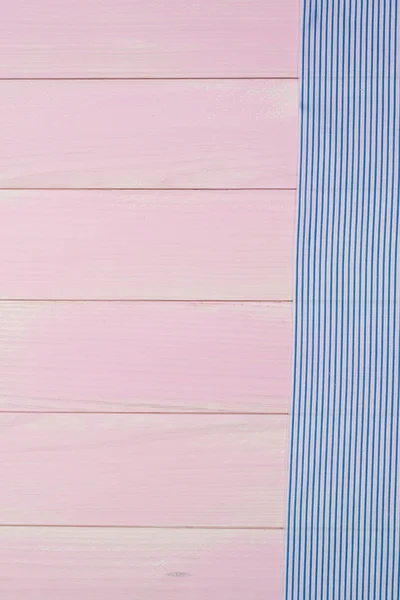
343	540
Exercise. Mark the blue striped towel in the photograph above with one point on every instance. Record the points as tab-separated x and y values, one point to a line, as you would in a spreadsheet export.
343	517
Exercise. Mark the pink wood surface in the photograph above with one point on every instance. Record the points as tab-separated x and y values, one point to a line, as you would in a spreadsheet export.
151	564
96	505
192	245
159	470
145	356
148	134
149	38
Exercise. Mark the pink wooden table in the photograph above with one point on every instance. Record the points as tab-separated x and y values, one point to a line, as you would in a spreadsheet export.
148	165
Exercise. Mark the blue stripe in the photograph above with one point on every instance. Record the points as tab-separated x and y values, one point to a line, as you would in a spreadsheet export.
343	541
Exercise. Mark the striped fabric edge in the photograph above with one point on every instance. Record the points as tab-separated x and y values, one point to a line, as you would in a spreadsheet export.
343	501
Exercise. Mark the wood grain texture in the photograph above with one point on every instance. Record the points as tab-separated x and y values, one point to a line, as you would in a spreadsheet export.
150	564
184	245
145	356
159	470
148	134
132	38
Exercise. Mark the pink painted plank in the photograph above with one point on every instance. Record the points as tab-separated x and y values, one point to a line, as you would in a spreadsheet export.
147	244
145	356
148	134
132	38
159	470
150	564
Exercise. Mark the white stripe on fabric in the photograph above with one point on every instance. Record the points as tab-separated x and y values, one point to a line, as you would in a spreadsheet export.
343	515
